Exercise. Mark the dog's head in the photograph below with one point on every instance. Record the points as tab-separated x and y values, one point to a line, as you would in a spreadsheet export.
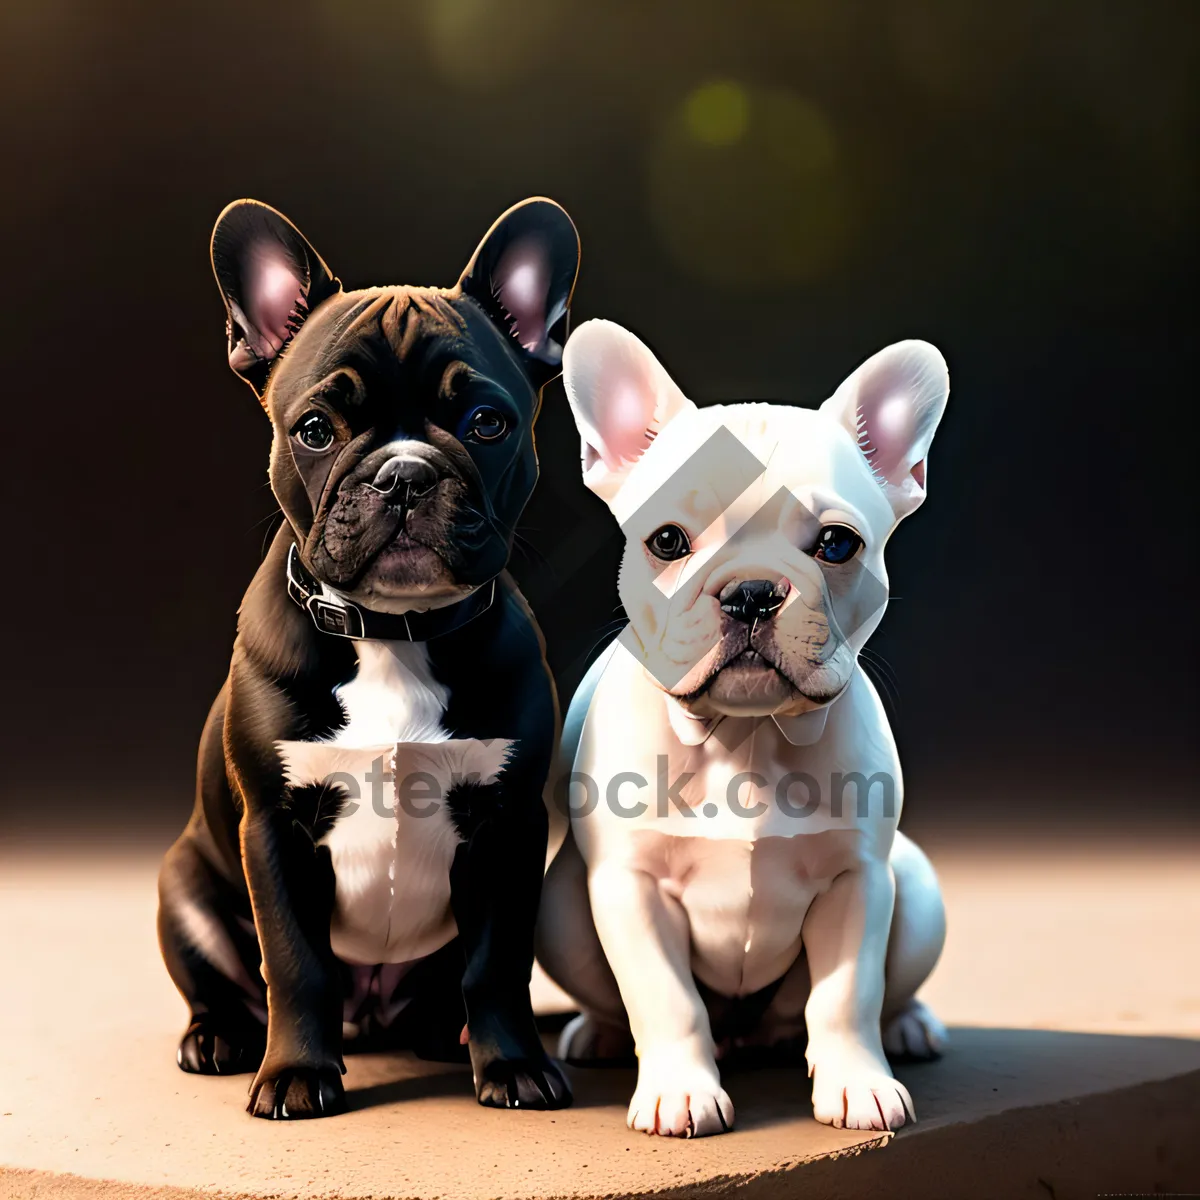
403	416
753	570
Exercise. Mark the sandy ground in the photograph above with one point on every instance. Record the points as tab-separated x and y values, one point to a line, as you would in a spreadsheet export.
1070	980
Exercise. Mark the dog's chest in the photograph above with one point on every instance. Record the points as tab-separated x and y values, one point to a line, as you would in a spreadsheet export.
393	697
393	841
746	900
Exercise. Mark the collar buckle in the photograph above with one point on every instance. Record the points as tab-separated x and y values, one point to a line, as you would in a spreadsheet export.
344	618
334	618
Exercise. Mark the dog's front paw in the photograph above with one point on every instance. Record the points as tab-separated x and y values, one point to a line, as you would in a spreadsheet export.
855	1090
522	1083
297	1093
914	1032
679	1098
206	1050
588	1040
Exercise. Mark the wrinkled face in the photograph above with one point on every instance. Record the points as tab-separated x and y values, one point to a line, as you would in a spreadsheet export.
404	425
753	569
754	599
403	448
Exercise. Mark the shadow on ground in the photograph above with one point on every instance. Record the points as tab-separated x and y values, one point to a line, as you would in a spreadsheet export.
984	1071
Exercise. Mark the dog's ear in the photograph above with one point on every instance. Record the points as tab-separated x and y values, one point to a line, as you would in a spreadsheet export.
271	279
522	275
621	397
892	405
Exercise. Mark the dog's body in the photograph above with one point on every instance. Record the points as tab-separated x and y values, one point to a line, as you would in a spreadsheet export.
736	874
369	835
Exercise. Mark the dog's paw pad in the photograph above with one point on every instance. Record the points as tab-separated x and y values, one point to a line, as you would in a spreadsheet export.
297	1094
204	1051
523	1084
860	1100
585	1039
914	1032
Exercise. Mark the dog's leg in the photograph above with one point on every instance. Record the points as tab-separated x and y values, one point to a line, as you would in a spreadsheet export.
910	1029
570	953
495	884
646	939
292	893
211	952
782	1024
846	936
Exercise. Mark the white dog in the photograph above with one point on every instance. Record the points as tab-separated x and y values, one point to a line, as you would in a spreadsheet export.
733	864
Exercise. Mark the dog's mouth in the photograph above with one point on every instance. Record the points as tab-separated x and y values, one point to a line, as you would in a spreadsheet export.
403	542
737	665
407	570
405	548
409	566
750	660
748	683
391	556
750	677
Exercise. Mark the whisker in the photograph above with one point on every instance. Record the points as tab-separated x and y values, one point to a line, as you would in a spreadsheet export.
530	550
269	532
605	635
880	670
878	659
263	520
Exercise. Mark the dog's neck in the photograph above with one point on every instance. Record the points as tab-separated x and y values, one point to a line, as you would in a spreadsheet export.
335	615
803	730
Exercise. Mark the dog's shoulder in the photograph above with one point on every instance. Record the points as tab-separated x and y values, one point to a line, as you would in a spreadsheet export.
276	638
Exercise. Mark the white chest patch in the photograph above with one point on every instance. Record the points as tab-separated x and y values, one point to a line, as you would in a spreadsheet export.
394	841
393	697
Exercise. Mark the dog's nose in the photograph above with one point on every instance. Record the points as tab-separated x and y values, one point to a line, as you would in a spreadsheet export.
404	479
751	599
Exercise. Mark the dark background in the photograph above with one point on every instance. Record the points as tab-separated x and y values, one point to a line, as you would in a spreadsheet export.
767	193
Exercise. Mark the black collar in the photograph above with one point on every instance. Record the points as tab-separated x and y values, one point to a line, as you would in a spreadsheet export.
343	618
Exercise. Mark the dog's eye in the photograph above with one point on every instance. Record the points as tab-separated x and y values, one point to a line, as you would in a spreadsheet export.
669	543
485	424
836	544
314	430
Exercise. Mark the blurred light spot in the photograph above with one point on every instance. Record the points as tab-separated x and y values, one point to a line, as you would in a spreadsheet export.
717	113
478	44
747	185
798	136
